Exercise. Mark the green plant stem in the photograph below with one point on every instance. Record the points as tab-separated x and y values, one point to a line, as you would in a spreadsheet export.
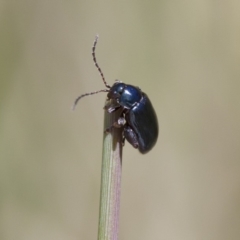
110	180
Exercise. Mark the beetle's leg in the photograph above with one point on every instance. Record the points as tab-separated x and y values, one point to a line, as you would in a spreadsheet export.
118	124
131	136
111	106
123	140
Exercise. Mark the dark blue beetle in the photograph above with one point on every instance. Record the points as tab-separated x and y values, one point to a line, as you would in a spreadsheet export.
138	118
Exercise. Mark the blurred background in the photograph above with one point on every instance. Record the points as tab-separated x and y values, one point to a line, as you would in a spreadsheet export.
184	54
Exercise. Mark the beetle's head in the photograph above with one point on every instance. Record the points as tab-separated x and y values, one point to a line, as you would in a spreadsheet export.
126	95
116	90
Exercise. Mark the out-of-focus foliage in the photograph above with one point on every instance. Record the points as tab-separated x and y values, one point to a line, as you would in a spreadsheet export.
184	54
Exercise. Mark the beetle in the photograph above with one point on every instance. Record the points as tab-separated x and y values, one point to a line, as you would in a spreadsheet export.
138	117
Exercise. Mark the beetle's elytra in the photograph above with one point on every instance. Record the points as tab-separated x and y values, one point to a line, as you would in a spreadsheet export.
138	118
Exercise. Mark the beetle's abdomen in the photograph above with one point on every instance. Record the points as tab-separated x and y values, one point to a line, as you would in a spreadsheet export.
143	120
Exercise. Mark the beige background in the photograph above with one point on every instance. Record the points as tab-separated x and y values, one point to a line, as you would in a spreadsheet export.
184	54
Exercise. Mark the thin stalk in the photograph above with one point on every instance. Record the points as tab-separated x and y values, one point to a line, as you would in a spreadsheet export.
108	227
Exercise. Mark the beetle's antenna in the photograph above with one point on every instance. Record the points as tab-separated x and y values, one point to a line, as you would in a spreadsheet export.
101	73
87	94
95	61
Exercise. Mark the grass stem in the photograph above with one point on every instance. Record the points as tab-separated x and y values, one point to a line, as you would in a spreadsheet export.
110	180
